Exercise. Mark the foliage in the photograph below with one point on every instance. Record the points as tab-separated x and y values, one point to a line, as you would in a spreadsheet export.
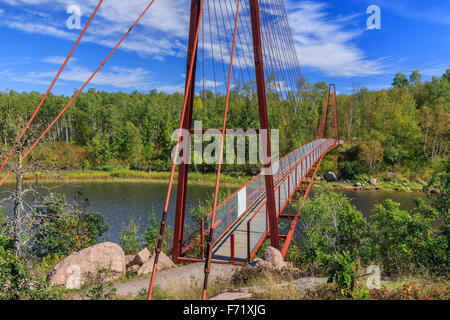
330	224
150	235
129	237
402	241
65	229
100	287
18	283
341	269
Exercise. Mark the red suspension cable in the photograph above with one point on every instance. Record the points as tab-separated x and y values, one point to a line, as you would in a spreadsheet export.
216	192
51	86
81	89
172	173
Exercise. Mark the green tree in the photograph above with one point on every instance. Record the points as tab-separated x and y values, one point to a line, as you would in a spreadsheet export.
400	80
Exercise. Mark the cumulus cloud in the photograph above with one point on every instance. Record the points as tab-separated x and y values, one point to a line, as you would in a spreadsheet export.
119	77
324	44
48	17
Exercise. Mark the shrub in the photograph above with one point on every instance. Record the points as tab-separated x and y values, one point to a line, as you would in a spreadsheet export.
129	237
351	169
18	283
151	234
64	230
341	270
402	240
330	224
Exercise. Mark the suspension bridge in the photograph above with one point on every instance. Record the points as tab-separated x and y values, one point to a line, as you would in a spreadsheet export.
248	45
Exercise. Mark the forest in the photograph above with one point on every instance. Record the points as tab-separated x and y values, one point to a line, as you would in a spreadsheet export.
403	127
402	130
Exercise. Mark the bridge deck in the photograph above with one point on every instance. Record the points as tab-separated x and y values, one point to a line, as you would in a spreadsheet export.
222	249
242	217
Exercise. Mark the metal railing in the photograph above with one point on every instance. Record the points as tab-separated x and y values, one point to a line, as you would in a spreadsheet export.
284	190
236	205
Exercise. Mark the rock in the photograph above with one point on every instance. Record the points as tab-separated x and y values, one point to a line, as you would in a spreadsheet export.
87	263
434	191
263	264
274	256
331	176
142	257
164	262
318	178
404	184
134	269
128	259
254	262
253	172
373	182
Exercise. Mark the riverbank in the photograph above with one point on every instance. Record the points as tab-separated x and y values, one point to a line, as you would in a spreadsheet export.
400	186
233	179
129	176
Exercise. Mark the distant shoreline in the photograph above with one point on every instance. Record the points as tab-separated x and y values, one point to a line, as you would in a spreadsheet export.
130	176
234	179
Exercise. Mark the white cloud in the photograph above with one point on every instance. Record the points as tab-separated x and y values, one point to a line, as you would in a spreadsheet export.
323	44
58	60
161	32
119	77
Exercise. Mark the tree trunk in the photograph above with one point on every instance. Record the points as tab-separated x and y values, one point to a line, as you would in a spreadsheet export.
18	208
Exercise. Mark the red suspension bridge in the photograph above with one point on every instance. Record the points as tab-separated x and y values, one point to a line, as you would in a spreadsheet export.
249	44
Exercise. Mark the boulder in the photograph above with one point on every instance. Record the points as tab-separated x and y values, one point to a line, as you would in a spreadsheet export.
274	256
263	264
128	259
142	257
133	269
331	176
164	262
318	178
373	182
75	269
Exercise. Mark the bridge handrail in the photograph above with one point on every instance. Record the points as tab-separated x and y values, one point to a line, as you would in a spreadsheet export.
284	164
324	146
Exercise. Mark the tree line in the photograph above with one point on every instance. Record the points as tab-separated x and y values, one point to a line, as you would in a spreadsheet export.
405	125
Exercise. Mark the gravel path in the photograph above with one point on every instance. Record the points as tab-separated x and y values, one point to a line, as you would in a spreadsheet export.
189	274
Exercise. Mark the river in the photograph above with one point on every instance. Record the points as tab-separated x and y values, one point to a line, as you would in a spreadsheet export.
119	202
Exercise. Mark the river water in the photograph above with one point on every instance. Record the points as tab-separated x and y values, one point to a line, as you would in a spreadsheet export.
119	202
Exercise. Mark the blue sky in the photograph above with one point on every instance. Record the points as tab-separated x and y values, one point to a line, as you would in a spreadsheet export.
331	38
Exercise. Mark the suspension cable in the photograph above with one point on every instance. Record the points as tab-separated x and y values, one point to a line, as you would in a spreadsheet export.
162	226
216	192
51	86
80	90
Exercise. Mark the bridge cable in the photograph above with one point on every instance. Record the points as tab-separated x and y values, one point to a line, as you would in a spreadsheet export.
51	86
211	233
162	226
80	90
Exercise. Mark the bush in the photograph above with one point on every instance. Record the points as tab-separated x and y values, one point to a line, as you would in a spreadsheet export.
18	283
351	169
151	235
403	241
330	225
64	230
341	270
129	237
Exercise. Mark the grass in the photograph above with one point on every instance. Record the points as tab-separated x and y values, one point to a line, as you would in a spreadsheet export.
127	175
